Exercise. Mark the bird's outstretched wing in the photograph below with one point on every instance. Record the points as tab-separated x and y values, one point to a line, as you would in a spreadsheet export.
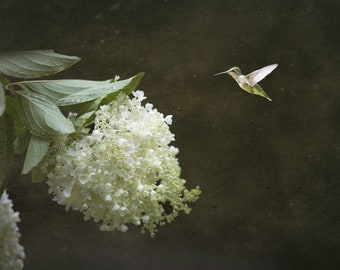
260	74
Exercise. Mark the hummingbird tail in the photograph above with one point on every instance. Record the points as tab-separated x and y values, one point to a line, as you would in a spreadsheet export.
259	91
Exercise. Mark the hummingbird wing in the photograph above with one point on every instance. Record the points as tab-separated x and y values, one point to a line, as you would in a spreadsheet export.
260	74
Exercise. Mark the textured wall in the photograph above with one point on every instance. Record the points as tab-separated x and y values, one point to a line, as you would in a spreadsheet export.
269	171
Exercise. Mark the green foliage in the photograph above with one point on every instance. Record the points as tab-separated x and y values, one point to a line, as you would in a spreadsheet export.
22	141
101	90
59	89
42	116
34	64
20	130
37	149
127	86
12	110
32	118
82	120
6	150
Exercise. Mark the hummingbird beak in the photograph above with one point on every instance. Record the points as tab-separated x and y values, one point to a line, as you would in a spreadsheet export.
224	72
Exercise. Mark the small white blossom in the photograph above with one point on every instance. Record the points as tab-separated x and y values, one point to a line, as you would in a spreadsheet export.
139	95
145	219
97	135
148	107
11	252
168	119
123	228
72	116
124	171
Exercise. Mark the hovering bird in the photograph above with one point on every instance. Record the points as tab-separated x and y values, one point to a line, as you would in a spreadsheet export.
249	82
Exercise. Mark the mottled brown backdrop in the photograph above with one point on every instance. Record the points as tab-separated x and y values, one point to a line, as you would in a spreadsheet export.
269	171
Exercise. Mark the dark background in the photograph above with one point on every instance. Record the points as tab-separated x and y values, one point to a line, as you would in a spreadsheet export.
269	171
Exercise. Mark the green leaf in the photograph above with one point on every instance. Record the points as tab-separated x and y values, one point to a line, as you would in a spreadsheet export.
6	150
101	91
86	113
2	100
83	120
12	109
42	116
58	89
20	130
33	64
22	141
37	149
89	106
127	89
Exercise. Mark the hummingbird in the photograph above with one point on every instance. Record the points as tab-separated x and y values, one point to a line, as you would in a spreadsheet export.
249	82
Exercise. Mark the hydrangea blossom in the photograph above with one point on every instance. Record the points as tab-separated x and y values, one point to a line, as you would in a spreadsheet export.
11	252
123	171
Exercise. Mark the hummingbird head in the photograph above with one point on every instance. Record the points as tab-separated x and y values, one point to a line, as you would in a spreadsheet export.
233	72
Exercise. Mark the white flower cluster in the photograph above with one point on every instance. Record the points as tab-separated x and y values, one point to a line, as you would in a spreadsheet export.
122	172
11	252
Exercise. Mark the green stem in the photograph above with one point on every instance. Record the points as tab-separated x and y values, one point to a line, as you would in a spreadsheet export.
6	88
6	83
